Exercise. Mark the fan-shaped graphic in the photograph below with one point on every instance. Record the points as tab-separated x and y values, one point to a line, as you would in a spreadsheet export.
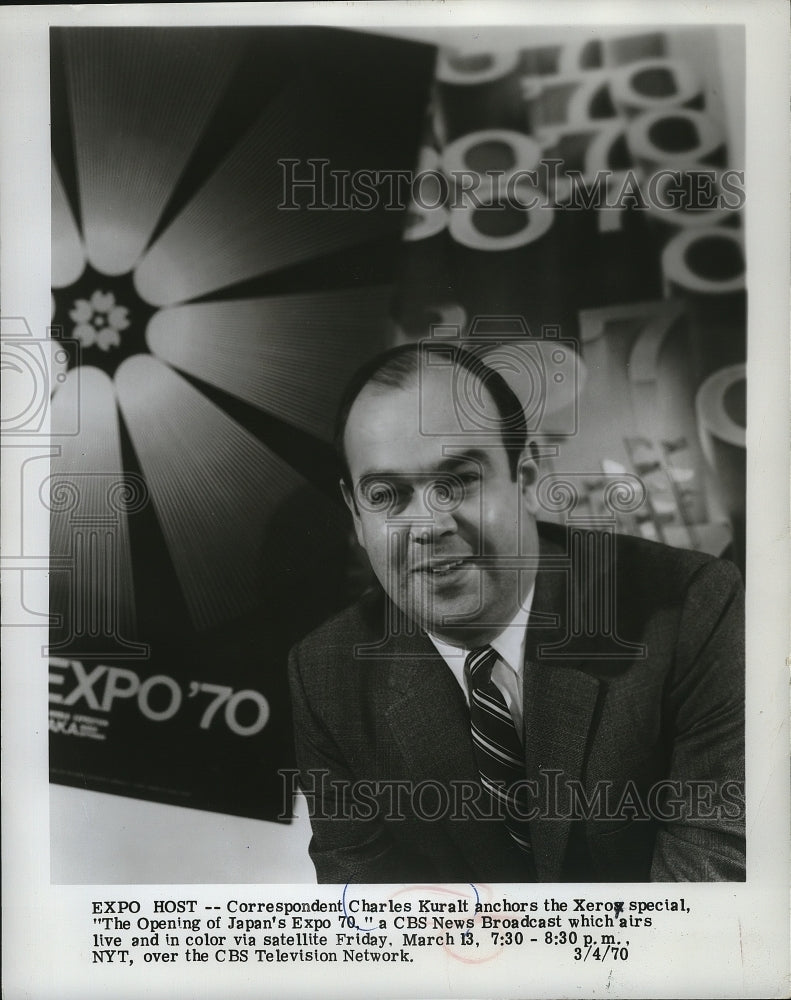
166	189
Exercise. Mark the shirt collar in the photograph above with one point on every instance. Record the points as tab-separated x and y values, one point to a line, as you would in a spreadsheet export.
509	644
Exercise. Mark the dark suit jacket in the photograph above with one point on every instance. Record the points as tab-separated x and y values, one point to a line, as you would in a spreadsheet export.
634	675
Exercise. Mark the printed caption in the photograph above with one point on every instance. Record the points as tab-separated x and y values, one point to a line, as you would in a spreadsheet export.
472	925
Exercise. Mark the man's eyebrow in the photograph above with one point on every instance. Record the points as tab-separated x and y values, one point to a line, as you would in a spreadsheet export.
381	474
469	455
446	464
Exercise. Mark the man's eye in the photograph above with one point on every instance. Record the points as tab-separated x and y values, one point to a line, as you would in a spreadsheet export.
380	495
464	483
448	492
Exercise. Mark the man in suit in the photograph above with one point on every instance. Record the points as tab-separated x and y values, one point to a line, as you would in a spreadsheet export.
515	701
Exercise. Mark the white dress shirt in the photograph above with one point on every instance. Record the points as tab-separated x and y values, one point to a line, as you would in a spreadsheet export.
508	671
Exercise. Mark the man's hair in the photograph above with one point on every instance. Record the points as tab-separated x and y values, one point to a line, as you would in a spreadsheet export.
399	367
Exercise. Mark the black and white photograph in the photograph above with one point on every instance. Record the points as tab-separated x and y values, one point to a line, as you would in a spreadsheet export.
397	480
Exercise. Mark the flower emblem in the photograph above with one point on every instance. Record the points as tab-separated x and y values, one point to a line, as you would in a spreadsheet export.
99	321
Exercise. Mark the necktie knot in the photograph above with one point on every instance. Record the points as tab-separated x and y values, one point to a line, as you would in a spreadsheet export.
478	666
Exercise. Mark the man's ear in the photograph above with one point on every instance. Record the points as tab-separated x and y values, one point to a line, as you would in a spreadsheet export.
528	481
351	503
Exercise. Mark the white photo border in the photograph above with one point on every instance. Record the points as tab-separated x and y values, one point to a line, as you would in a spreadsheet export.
738	944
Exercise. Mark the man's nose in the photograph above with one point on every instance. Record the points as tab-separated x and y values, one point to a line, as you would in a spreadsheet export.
430	519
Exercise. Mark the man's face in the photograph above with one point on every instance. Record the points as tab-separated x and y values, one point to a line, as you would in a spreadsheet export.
444	524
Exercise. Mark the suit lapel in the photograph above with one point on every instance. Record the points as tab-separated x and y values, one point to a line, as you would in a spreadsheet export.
560	703
425	702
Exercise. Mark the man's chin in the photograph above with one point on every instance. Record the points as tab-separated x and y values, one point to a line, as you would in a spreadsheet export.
444	616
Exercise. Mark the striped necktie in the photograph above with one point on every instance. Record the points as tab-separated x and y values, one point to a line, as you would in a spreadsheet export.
498	749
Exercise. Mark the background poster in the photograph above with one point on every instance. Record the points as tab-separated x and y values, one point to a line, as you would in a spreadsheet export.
204	535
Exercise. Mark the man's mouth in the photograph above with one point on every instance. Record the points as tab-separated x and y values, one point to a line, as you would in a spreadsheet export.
443	567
